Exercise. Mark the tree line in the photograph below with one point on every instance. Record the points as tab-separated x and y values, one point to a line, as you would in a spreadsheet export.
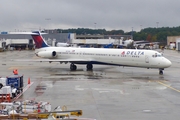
149	34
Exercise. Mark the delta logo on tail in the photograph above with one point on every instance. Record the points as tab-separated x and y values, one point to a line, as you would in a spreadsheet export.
40	43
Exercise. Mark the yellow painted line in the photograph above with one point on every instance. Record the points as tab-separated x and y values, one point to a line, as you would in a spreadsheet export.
11	68
24	90
168	86
21	67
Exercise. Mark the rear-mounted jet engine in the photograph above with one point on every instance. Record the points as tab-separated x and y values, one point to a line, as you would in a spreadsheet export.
47	54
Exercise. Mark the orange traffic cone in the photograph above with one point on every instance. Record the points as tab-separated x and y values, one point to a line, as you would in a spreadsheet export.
29	81
9	98
39	108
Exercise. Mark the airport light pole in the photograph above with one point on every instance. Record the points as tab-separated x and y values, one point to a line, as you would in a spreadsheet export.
132	33
95	25
157	24
47	19
141	27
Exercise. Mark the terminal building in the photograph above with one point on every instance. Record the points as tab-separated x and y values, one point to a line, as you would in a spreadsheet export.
19	41
173	42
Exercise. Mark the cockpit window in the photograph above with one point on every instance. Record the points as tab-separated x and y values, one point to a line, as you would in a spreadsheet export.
157	55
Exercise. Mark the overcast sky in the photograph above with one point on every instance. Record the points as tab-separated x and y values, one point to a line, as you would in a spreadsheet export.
27	15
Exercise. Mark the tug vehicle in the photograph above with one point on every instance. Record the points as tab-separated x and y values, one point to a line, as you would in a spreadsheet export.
11	85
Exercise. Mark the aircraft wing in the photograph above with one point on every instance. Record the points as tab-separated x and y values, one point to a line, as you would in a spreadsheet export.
54	60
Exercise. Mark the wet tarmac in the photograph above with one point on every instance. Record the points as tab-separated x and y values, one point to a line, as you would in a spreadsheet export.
106	93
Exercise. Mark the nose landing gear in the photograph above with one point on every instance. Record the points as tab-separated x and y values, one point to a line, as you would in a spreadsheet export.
161	71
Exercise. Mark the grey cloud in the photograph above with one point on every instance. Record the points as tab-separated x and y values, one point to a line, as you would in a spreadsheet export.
116	14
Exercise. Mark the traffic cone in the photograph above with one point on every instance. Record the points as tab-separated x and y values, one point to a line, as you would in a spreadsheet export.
2	98
8	97
29	81
39	108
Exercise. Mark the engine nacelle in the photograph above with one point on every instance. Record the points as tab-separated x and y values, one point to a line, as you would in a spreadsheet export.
47	54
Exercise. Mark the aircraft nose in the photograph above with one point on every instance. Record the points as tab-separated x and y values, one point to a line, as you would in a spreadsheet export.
168	63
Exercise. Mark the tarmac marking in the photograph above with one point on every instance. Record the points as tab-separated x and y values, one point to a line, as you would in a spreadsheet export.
21	67
24	90
168	86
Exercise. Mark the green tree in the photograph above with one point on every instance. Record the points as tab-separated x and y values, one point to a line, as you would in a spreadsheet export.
149	37
154	38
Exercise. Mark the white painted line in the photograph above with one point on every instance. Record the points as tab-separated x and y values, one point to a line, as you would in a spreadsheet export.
24	90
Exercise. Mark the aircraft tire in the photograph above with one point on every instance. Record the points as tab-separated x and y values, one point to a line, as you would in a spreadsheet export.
89	66
73	67
160	72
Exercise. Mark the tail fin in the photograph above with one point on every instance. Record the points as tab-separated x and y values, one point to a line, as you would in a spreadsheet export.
38	39
68	38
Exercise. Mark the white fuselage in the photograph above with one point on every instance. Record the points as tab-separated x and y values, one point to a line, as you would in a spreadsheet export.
121	57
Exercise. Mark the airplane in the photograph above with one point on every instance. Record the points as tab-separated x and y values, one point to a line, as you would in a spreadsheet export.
108	45
103	56
128	43
59	44
144	44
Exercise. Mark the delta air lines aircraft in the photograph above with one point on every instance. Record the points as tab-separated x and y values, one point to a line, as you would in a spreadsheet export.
90	56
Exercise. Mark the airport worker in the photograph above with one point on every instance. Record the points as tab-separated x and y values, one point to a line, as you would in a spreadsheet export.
15	72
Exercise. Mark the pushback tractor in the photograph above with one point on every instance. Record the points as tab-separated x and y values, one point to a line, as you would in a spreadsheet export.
11	85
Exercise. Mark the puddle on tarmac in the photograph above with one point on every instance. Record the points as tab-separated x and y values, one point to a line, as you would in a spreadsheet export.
141	78
39	87
77	76
39	90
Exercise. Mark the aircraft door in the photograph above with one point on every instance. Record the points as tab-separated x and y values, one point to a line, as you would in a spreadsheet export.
146	59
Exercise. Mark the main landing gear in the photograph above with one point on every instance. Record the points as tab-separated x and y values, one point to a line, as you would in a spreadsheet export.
161	71
89	66
74	67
